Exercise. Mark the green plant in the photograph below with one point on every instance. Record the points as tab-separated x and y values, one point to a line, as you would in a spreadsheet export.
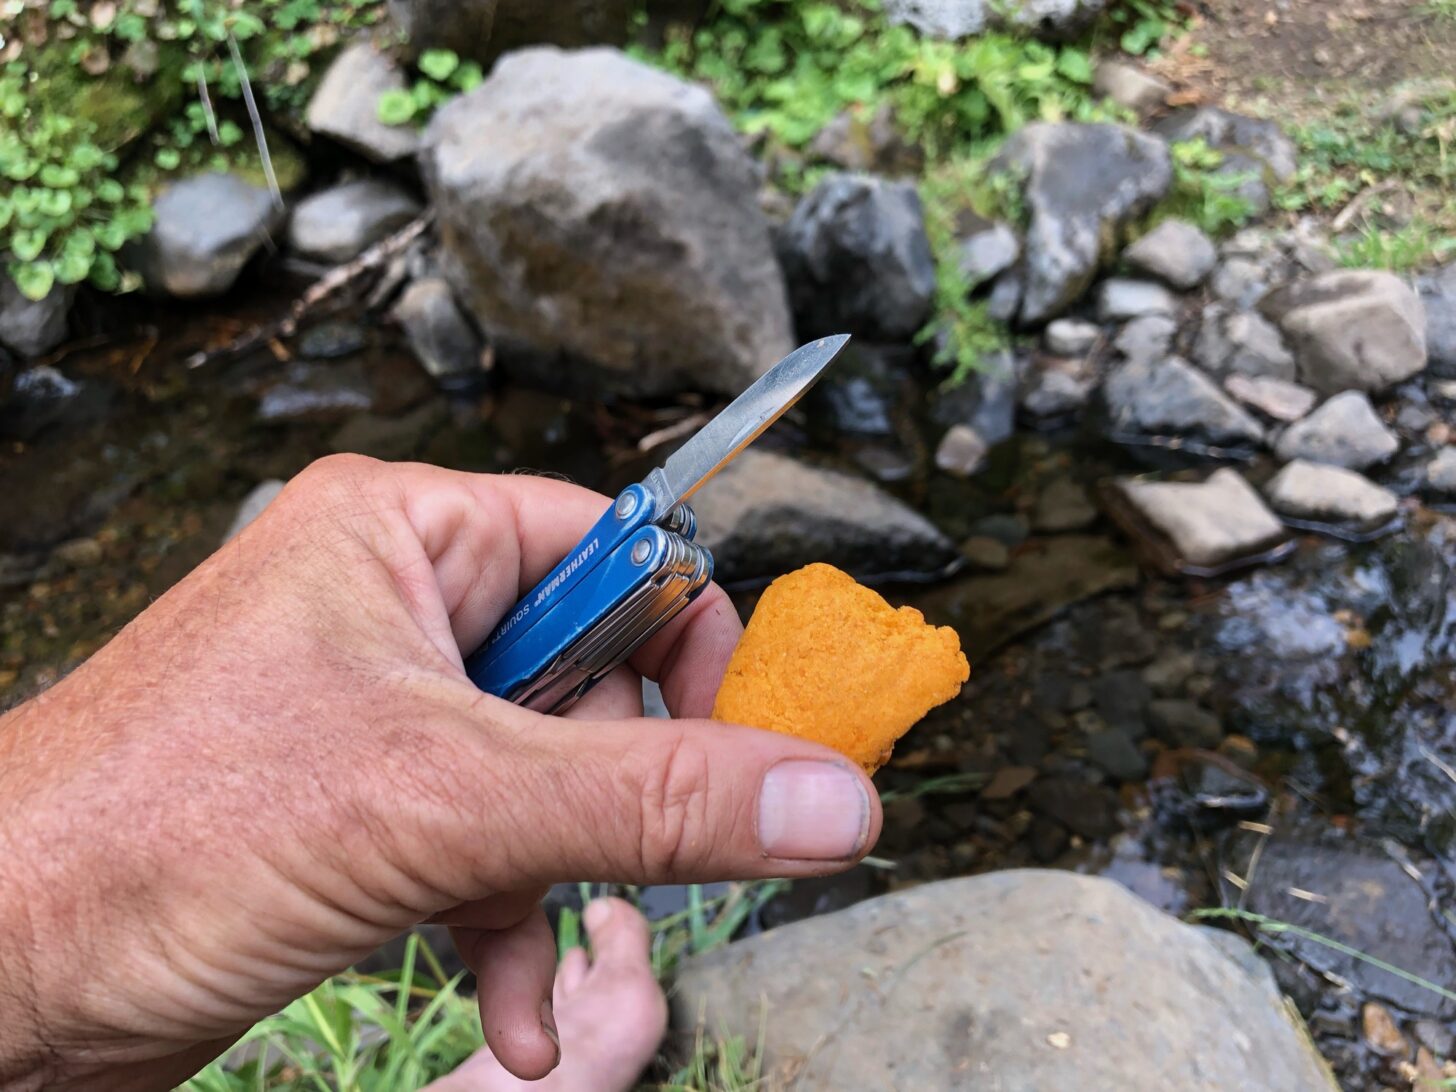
718	1065
1143	24
1410	247
1204	193
442	76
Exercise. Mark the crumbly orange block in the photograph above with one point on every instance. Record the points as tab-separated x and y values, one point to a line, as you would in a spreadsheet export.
827	659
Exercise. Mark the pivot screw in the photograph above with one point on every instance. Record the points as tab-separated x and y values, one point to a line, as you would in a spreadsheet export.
641	551
626	505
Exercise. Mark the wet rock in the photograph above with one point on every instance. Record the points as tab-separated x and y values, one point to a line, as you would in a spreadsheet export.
1056	388
857	259
963	18
440	336
332	341
1063	506
252	507
1071	337
205	230
1129	86
654	271
985	400
1435	1038
962	451
40	397
986	553
1167	675
857	140
1441	471
860	394
1145	340
1117	755
1438	296
463	28
1119	299
1174	252
310	392
32	328
1180	723
1363	899
346	104
1147	399
1345	431
1004	302
1254	150
1209	524
1381	1031
1047	839
767	514
1083	808
1233	342
1120	698
1082	184
1204	792
987	248
1314	491
390	438
1276	398
484	29
1355	329
339	224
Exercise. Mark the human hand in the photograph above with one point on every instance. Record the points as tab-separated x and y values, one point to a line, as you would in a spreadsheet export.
281	764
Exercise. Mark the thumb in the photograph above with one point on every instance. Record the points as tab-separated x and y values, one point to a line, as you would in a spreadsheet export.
653	801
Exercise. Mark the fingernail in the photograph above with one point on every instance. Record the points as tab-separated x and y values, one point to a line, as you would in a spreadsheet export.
812	811
548	1025
598	912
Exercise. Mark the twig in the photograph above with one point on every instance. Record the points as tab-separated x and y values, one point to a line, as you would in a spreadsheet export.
207	110
259	136
679	428
330	283
1346	215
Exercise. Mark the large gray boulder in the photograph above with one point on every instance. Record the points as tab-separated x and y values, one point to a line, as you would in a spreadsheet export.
1003	982
857	259
1170	396
1438	294
1175	252
1352	329
340	223
1082	185
32	327
346	105
962	18
484	29
767	514
599	219
205	230
1345	431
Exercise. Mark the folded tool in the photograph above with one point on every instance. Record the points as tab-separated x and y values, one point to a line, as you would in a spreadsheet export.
638	566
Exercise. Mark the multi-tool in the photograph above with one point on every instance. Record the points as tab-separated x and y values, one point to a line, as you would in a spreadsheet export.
638	567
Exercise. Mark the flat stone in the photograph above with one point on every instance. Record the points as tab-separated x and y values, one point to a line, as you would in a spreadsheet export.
986	553
439	334
1119	299
1441	471
1181	723
962	451
1211	523
1172	397
205	230
857	259
1050	390
767	514
1174	252
309	391
1116	754
1272	397
1345	431
32	328
653	271
1148	339
1071	337
252	507
1315	491
1063	506
1354	329
346	105
1233	342
1128	85
1082	183
338	224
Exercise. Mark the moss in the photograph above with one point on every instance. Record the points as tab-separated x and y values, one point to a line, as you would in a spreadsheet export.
121	107
243	160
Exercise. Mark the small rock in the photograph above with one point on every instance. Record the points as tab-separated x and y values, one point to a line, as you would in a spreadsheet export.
987	249
1241	342
985	400
1314	491
482	30
1240	282
1414	418
1129	86
1438	295
1272	397
1120	174
962	451
1441	471
79	553
1071	337
1211	523
332	341
1240	750
1012	530
1167	674
1172	397
767	514
252	507
1119	299
1345	431
1175	252
1063	506
857	259
391	438
308	391
1435	1037
30	327
1355	329
1121	697
205	230
1117	755
1052	391
986	553
1004	302
856	140
346	105
1007	782
1381	1032
40	396
861	394
1181	723
339	224
1083	808
441	337
1144	340
1056	19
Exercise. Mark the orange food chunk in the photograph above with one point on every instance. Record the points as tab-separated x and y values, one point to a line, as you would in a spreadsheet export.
826	659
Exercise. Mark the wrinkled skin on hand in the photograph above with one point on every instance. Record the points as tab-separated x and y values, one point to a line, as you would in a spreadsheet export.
281	764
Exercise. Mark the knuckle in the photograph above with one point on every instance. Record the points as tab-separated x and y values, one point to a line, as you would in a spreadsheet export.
676	807
333	473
